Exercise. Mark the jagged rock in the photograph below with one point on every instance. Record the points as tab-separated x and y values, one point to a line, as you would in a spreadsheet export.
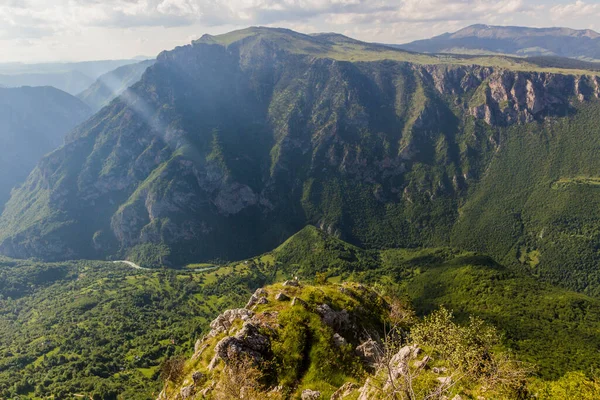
370	352
293	282
338	320
197	377
422	363
398	365
345	390
338	340
405	354
299	302
187	391
248	341
308	394
258	295
262	300
281	297
511	97
224	321
439	370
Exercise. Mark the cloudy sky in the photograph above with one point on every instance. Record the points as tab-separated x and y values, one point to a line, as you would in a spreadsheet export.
69	30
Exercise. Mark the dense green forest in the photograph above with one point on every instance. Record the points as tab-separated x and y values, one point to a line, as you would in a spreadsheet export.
100	329
104	329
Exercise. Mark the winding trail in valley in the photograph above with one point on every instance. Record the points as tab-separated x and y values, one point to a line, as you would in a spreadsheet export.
131	264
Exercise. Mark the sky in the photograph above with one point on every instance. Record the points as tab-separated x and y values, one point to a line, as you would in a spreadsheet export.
76	30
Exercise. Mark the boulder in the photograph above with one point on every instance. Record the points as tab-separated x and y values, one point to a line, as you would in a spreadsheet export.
338	340
308	394
293	282
281	297
197	377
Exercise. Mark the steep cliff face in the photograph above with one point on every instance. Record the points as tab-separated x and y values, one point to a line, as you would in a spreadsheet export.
226	150
509	97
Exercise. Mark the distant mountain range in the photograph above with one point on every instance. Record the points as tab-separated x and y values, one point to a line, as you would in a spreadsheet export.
513	40
33	122
72	78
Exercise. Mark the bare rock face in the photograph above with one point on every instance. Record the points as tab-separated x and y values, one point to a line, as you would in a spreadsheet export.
504	97
511	97
234	198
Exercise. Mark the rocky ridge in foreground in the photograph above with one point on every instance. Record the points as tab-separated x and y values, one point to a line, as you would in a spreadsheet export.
339	342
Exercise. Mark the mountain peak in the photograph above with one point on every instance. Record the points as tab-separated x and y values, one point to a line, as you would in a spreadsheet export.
500	31
480	39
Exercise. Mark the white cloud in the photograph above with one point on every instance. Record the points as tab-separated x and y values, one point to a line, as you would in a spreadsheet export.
85	24
42	18
574	10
